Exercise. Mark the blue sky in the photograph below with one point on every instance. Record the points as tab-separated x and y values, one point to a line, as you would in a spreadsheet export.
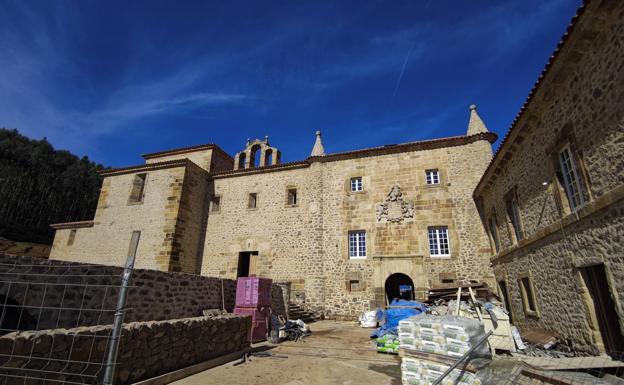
113	79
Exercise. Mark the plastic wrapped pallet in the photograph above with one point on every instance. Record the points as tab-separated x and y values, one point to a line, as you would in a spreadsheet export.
446	336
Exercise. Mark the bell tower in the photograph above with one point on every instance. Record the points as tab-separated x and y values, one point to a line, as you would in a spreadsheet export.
257	153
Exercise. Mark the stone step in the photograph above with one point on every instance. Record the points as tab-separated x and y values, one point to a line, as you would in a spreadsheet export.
296	311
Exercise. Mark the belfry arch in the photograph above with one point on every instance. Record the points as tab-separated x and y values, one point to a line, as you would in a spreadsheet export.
257	153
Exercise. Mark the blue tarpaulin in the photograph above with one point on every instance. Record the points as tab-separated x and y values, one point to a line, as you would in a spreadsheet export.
389	319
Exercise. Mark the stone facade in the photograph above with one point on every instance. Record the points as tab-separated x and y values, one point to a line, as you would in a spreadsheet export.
147	349
577	105
307	243
196	216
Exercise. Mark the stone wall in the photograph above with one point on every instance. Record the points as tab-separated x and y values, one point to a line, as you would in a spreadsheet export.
401	247
209	159
579	102
189	234
115	219
147	349
201	158
553	263
154	295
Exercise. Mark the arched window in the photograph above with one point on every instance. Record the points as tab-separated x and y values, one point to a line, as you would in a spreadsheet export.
254	159
241	160
268	157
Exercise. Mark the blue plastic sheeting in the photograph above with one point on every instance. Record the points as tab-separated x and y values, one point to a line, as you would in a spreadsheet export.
389	319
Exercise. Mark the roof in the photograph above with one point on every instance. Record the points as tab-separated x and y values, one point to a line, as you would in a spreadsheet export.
506	142
71	225
421	145
183	150
145	167
364	153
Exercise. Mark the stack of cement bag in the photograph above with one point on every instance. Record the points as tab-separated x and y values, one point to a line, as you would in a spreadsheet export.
429	344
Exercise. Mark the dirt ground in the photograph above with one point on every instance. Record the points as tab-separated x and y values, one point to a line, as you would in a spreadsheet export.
335	353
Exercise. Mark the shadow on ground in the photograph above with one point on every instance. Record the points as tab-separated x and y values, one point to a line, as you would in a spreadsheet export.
393	371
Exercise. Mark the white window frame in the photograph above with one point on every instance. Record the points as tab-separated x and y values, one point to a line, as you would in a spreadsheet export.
437	237
432	176
572	181
357	244
357	184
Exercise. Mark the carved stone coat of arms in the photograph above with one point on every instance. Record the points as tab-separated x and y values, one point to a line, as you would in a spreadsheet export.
394	208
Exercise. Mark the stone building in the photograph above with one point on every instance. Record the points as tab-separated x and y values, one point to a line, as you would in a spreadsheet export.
347	230
552	198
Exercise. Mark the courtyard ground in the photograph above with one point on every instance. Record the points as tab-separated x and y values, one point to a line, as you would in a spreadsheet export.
339	353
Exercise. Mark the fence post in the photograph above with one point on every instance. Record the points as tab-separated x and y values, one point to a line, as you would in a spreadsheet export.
109	373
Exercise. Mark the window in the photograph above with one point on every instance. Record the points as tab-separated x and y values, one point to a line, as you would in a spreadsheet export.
72	237
138	187
494	233
292	196
433	176
571	178
357	244
356	184
528	295
439	242
354	285
215	203
513	213
504	293
253	201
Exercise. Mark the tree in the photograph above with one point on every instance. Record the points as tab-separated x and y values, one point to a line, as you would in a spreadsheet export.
40	185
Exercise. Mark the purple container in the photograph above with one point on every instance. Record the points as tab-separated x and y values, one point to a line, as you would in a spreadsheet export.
253	292
260	319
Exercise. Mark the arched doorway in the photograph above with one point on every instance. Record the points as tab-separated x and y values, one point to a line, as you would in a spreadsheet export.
399	286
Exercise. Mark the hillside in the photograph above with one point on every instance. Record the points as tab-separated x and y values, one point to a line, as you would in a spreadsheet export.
40	185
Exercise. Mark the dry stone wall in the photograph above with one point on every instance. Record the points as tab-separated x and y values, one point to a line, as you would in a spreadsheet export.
147	349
